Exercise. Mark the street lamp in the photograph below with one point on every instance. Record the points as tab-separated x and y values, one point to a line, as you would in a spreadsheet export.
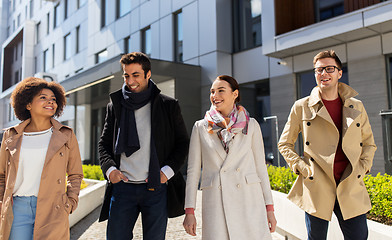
276	130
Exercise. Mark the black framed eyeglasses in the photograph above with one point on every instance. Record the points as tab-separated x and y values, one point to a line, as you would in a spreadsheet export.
328	69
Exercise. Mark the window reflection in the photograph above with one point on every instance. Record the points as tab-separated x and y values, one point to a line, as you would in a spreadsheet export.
247	24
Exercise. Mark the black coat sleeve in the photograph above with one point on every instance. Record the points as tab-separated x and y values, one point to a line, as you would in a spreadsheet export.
105	144
179	150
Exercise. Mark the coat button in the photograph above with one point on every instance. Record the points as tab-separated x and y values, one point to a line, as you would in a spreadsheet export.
219	187
359	176
238	186
67	205
307	143
8	162
58	181
358	124
57	207
311	178
311	159
238	169
61	153
360	144
308	123
351	106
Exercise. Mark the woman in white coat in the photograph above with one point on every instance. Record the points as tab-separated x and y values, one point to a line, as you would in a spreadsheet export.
227	150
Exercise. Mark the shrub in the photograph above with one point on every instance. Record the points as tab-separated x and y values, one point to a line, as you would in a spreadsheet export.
281	178
93	172
380	192
379	188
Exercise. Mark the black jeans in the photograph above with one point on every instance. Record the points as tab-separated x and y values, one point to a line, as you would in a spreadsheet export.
353	229
128	200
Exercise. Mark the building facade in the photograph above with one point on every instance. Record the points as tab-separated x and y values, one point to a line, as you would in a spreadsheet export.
268	46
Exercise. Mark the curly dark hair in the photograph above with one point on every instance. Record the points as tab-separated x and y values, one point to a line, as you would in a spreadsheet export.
30	87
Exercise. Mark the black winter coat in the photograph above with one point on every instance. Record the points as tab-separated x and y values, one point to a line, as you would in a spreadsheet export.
171	141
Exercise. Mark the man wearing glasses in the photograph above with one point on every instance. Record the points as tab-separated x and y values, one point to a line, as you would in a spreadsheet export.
338	152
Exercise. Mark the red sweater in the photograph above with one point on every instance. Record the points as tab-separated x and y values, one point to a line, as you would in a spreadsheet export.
334	108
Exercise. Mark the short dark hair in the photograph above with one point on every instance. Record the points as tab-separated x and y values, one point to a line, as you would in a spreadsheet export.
30	87
233	84
328	54
139	58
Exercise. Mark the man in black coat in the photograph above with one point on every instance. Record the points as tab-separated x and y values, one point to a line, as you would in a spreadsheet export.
142	148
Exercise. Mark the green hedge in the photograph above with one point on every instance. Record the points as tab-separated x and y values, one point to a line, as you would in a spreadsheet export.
379	188
380	191
93	172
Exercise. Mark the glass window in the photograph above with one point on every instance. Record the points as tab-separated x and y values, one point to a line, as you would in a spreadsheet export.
255	97
123	7
101	56
16	77
386	116
389	83
104	12
67	46
306	82
65	9
146	41
31	8
46	60
18	21
16	52
127	44
53	55
47	23
325	9
37	31
77	39
247	24
81	3
56	16
178	38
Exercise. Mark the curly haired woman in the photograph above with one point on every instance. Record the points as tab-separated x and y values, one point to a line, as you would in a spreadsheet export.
36	155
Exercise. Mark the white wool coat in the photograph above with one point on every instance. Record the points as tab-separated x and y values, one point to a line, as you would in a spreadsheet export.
235	186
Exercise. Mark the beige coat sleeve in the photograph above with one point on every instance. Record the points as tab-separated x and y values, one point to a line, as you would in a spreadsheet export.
368	145
3	169
287	142
74	171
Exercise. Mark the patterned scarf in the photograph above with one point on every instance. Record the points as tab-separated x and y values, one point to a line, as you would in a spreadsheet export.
239	120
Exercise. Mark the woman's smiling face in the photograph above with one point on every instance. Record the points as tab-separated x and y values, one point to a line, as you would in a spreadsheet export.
222	96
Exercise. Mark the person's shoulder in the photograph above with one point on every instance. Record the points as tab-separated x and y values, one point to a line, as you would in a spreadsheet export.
302	101
167	99
355	103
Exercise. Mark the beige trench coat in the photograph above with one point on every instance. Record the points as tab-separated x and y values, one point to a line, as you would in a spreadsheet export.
235	186
315	189
56	198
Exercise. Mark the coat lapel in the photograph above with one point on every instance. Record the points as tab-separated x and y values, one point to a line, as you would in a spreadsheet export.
217	145
235	147
349	116
57	140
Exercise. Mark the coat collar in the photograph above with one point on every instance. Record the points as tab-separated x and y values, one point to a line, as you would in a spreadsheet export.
19	128
345	92
13	142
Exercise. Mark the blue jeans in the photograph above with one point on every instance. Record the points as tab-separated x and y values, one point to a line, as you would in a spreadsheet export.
128	200
353	229
24	209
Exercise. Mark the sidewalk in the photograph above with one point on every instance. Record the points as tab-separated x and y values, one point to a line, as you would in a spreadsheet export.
90	229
